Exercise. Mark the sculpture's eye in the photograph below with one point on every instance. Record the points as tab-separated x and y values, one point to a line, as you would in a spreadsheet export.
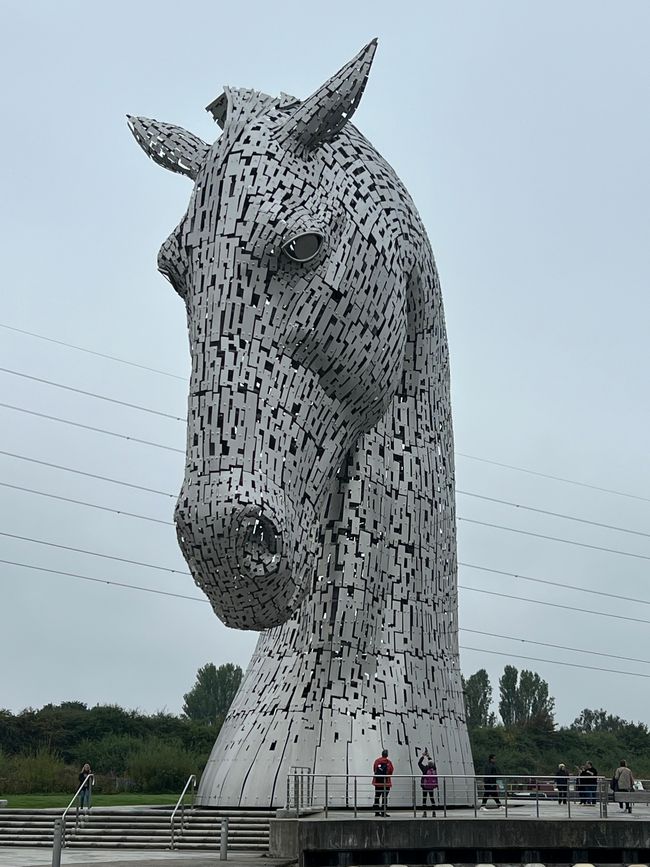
303	248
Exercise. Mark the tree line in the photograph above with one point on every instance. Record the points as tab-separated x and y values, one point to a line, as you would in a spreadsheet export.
42	750
527	741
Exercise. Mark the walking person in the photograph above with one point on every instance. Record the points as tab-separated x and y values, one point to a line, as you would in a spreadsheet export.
490	788
591	783
87	778
624	782
382	769
562	783
428	782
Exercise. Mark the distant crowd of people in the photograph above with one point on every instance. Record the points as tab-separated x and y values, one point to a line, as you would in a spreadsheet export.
584	780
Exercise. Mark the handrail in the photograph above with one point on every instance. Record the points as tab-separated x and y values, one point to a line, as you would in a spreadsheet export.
342	791
180	805
90	777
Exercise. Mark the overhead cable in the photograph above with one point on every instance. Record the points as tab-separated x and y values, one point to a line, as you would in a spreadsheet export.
553	514
93	553
89	427
553	661
93	352
85	503
91	394
554	478
561	585
84	473
553	604
555	539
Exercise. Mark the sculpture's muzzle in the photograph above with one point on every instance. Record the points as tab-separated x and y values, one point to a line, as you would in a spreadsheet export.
248	548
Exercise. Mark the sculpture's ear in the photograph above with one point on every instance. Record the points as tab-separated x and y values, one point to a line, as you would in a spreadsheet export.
322	116
172	147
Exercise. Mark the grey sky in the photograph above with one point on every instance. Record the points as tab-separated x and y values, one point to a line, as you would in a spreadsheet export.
520	129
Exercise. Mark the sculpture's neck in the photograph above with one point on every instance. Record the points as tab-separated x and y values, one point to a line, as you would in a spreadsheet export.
386	580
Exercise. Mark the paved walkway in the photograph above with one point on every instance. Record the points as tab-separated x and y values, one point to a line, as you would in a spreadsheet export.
42	857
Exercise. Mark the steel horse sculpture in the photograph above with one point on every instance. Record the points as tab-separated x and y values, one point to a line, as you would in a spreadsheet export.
318	501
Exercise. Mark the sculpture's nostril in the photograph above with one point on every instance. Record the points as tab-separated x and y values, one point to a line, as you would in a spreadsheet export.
259	541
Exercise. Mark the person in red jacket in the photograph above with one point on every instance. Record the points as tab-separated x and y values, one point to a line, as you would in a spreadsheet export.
382	769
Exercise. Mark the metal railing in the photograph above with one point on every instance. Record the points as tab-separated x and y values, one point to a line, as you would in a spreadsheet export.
58	838
180	805
307	792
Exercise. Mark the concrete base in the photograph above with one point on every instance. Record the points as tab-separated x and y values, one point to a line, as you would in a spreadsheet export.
345	841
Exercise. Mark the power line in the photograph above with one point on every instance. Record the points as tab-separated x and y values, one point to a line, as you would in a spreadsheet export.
457	453
553	661
84	503
94	553
170	448
555	539
553	514
561	585
91	394
93	352
554	478
89	475
553	604
184	572
556	646
466	493
139	588
120	584
89	427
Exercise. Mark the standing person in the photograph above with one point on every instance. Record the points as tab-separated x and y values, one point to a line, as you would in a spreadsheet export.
85	777
562	783
382	769
582	785
591	775
490	789
428	782
624	782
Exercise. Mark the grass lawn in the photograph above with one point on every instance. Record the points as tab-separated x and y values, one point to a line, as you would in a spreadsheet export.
123	799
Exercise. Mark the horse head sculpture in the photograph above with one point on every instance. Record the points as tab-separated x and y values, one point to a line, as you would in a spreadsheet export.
318	491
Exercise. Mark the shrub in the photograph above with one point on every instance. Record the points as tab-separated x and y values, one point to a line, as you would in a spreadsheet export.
161	766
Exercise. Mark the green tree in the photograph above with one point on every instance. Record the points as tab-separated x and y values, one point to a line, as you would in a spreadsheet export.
212	694
478	697
508	695
525	700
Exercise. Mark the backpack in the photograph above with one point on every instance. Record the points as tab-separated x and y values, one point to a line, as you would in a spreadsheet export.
382	769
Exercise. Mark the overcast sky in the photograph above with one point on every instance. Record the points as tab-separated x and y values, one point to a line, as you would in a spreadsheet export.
520	129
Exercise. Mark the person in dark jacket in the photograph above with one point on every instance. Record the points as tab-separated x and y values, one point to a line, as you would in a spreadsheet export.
562	783
382	769
591	783
428	782
490	789
86	777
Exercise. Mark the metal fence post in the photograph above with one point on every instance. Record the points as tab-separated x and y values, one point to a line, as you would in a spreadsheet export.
56	846
326	796
568	801
505	794
355	797
444	797
415	804
537	797
223	840
475	797
295	795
